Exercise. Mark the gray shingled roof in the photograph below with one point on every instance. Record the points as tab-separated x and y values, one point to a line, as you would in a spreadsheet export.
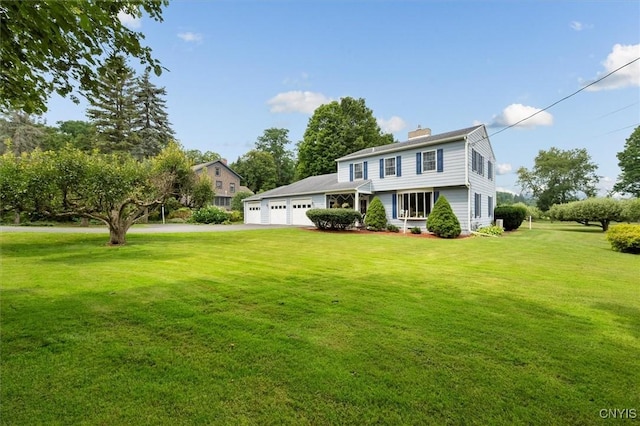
311	185
416	142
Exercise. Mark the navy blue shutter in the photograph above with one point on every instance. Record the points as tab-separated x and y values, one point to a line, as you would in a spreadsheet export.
436	194
382	168
351	172
394	206
398	166
418	163
440	155
366	172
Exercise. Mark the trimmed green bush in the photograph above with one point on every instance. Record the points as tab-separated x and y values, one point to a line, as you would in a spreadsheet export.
376	218
209	214
512	216
625	238
442	221
416	230
392	228
334	219
491	230
182	213
631	209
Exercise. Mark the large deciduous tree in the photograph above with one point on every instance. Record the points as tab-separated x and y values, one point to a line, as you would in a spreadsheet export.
337	129
57	46
629	162
196	156
258	170
559	177
115	189
275	141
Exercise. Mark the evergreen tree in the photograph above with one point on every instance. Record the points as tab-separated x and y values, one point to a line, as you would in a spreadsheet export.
442	221
19	133
113	110
151	123
376	217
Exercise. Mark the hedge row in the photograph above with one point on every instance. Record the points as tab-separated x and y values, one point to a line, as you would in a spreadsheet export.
334	219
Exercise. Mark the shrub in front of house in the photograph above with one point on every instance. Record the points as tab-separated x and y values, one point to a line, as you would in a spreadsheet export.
416	230
512	216
210	215
376	218
491	230
442	221
392	228
625	238
334	219
183	213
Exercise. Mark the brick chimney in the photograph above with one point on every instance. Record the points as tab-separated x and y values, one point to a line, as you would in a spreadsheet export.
420	132
223	161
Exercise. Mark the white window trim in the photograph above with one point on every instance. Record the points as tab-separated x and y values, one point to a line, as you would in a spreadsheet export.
355	173
435	161
400	197
386	168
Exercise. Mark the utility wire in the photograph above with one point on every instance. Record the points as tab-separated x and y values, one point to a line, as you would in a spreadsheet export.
566	97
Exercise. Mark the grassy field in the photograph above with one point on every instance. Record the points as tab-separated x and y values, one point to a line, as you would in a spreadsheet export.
290	326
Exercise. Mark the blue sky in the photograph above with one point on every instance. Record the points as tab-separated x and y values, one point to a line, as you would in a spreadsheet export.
237	68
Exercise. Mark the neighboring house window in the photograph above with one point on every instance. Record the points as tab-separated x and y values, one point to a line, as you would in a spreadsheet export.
478	205
490	170
217	171
222	201
490	203
218	184
477	162
390	166
429	161
414	204
232	188
358	171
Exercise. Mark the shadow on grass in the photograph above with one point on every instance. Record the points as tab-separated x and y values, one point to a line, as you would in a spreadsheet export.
625	315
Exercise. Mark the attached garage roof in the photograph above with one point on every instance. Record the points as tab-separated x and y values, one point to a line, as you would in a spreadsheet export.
313	185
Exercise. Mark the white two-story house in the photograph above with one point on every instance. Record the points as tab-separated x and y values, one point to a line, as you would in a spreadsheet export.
408	177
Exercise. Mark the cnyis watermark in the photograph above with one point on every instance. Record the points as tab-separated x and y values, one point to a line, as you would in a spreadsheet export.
618	413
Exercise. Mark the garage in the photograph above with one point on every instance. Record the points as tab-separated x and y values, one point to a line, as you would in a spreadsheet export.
278	212
252	213
299	212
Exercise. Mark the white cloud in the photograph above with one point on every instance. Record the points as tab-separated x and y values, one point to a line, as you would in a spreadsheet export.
509	191
503	168
129	21
190	37
580	26
628	76
297	101
517	112
392	125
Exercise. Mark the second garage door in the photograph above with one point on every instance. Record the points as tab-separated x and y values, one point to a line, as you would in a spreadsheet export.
299	212
278	212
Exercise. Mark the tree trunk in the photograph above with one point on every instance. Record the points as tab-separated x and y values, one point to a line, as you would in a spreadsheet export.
605	225
117	235
16	218
84	221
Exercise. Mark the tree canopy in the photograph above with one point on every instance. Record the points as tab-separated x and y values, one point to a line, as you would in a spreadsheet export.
115	189
51	46
258	170
559	177
337	129
629	162
275	141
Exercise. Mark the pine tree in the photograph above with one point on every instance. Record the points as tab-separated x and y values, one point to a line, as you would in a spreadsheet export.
112	109
442	221
376	218
151	124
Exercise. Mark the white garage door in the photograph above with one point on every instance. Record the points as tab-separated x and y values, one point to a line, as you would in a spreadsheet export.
252	214
278	212
299	212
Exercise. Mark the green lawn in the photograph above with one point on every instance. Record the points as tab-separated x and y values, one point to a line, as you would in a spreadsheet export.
290	326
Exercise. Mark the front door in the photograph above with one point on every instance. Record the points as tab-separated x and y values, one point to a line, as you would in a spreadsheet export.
364	203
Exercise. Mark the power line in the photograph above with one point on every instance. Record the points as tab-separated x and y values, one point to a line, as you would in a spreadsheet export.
566	97
618	110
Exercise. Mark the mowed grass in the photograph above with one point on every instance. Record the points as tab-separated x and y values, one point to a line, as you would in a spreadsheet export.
291	326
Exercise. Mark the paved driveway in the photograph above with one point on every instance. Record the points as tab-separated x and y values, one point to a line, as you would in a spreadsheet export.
139	229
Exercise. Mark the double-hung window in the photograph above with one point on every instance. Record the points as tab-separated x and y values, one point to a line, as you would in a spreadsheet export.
478	205
358	171
477	162
429	161
390	166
